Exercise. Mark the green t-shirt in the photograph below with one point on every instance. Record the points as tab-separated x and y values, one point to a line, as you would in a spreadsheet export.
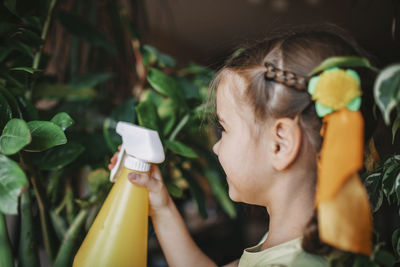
288	254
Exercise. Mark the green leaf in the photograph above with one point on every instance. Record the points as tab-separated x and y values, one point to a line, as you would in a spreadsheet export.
167	112
12	183
125	111
28	110
89	80
16	112
6	255
373	185
219	191
63	120
15	136
84	30
190	89
342	62
62	91
384	258
396	241
173	189
5	111
98	180
26	69
389	177
45	135
151	95
165	85
180	149
147	115
197	193
395	127
387	90
151	55
60	156
165	60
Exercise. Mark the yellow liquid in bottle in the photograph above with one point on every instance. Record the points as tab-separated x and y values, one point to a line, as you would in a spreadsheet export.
118	236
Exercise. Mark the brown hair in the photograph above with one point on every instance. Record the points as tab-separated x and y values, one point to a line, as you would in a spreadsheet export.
298	51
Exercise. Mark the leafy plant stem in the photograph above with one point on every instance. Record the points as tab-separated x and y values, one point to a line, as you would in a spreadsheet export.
28	253
38	189
38	55
179	127
6	257
65	254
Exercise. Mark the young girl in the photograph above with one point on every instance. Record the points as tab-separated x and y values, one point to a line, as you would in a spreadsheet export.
269	150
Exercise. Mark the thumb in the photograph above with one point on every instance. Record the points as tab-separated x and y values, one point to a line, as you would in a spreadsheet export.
146	180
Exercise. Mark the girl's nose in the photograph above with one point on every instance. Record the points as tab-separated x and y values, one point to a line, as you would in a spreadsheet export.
215	148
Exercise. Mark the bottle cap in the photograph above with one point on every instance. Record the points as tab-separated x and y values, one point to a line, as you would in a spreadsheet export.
140	148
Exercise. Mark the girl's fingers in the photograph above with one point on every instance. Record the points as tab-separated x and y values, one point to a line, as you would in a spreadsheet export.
156	172
146	180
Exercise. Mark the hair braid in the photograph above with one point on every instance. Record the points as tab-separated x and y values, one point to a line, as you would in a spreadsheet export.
287	78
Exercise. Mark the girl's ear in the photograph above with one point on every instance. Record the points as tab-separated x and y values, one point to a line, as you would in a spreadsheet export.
286	141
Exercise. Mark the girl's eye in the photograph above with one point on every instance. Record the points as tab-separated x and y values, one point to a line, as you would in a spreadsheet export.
220	128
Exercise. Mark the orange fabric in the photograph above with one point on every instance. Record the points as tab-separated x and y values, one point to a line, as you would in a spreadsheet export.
341	153
345	221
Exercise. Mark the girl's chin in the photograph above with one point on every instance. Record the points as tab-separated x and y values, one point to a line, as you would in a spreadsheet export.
233	195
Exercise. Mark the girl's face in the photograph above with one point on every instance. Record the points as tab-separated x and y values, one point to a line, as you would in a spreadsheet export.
243	155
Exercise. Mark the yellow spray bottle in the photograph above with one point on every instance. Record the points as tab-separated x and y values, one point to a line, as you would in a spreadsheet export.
118	236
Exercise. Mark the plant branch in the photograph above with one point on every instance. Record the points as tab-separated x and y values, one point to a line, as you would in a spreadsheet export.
179	127
38	55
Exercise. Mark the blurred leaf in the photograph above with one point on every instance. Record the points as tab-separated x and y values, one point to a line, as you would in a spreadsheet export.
173	189
12	183
189	88
16	112
165	85
60	91
342	62
180	149
147	115
384	258
5	111
6	254
45	135
396	241
15	136
220	192
60	156
99	180
395	127
363	261
151	95
29	112
84	30
63	120
11	5
167	111
26	69
197	193
89	80
165	60
387	90
125	111
59	223
151	55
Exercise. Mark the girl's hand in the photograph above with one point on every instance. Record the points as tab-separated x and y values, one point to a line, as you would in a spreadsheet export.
158	193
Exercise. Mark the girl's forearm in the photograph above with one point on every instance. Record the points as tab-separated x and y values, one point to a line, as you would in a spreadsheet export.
175	240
